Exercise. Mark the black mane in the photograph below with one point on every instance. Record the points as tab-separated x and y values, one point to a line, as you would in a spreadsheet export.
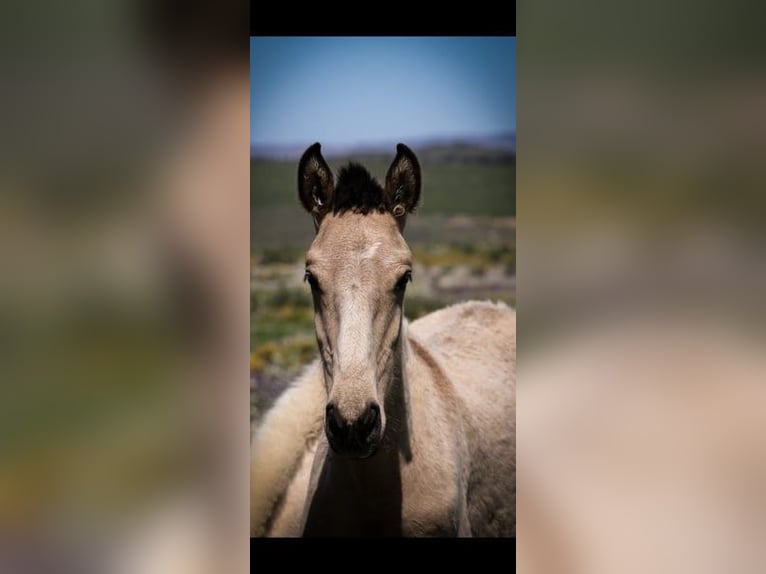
357	191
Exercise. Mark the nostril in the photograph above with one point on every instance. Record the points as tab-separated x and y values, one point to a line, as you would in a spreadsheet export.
369	419
334	422
372	414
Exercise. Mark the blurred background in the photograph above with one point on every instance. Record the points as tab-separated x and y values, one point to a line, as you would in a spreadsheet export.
124	287
641	441
452	100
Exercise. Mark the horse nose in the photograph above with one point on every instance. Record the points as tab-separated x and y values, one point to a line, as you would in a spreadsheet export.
336	427
353	436
365	424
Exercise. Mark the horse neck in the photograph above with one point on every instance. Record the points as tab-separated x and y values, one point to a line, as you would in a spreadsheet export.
397	403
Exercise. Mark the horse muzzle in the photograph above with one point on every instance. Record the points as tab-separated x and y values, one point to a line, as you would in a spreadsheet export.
359	438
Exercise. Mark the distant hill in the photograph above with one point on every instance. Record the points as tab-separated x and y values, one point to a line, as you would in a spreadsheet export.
473	149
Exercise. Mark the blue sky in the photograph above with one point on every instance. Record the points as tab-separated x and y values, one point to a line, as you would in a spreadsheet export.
367	90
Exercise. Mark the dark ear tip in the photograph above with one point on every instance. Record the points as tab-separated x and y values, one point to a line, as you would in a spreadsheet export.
402	149
312	150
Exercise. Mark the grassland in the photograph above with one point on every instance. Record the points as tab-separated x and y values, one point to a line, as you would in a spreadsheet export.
466	188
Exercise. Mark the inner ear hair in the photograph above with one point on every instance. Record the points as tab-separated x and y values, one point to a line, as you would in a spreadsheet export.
403	182
315	181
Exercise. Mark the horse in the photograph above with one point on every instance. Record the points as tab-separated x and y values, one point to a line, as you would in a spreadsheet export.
396	429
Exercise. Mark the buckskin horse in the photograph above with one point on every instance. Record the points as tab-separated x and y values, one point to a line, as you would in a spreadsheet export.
396	429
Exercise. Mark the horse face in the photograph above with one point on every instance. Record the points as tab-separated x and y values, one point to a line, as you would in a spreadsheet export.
358	267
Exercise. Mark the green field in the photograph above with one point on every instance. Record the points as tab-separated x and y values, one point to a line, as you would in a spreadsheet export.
468	188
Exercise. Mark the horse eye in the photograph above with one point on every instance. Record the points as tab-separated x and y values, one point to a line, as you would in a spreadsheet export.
403	280
311	280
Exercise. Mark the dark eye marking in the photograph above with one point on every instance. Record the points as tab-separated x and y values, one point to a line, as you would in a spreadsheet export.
401	284
311	280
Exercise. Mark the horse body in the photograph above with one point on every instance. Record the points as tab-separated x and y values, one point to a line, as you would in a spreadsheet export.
447	467
418	420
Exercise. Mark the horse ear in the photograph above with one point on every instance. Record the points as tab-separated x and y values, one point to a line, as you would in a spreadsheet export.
315	182
403	182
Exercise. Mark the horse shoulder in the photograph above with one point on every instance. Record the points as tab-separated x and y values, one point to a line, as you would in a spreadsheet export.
472	338
475	342
280	445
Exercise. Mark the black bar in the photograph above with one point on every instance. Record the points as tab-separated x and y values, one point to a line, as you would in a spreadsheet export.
395	552
471	19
